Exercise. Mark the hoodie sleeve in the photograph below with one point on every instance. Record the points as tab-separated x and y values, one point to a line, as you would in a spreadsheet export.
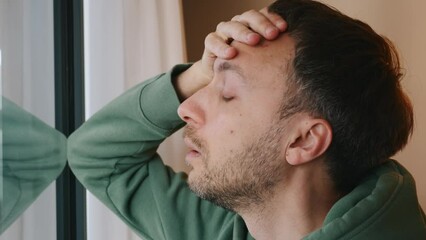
114	156
33	155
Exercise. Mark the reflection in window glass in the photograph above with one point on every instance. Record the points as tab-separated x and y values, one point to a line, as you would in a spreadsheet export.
27	81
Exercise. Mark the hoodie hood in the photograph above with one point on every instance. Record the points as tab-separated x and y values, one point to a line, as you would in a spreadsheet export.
383	206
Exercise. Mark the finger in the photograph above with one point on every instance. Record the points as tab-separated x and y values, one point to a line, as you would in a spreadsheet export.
259	23
216	46
276	19
236	18
237	31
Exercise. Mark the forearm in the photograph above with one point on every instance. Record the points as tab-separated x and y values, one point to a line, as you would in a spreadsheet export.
125	133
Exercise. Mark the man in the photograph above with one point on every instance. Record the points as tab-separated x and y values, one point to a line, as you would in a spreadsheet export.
289	125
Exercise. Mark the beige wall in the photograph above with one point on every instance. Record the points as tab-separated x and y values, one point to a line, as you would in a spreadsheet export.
202	16
401	21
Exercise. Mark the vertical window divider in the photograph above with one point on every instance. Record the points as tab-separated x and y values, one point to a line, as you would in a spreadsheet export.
69	111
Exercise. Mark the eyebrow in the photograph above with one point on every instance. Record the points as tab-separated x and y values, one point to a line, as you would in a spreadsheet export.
227	66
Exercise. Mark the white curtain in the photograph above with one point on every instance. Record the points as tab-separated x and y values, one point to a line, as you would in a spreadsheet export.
27	78
126	42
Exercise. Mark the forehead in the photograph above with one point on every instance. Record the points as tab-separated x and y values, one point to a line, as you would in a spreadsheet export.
267	60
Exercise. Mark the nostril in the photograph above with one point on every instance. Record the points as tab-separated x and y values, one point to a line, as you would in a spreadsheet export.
186	118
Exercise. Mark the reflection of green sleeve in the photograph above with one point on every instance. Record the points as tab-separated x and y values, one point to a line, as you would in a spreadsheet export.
114	155
34	154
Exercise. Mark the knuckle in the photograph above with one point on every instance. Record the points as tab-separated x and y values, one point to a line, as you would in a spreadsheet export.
236	18
220	25
208	38
215	50
251	12
264	10
242	32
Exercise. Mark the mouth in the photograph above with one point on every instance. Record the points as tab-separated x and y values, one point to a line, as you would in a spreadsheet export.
193	151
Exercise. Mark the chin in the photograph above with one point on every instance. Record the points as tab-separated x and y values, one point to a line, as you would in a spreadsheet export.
191	180
195	183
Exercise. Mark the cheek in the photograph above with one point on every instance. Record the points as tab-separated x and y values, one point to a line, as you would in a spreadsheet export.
238	128
224	136
227	132
229	128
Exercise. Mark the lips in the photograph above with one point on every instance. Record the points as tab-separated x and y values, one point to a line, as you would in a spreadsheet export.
193	150
191	145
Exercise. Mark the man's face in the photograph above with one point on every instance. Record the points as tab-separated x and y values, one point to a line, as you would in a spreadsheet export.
234	134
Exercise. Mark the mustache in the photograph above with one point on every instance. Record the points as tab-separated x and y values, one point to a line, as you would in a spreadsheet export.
189	132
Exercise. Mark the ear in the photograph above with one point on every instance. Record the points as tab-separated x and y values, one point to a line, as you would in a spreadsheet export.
309	140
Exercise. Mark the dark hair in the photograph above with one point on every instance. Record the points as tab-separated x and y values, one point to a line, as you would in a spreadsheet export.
349	75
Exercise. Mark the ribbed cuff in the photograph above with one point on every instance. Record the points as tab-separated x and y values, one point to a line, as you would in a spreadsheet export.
159	101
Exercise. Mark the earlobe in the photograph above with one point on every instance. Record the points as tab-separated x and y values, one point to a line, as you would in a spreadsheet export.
310	140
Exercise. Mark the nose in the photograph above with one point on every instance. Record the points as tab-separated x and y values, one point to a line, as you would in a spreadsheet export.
192	111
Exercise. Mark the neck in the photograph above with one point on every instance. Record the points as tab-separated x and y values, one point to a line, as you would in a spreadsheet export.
298	206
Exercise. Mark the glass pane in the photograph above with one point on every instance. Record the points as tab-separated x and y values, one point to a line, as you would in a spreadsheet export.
33	152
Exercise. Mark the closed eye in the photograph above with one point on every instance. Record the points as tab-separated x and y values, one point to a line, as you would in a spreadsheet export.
227	98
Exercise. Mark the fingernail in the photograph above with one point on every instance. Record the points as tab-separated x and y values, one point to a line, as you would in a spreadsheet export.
271	31
282	25
252	37
229	51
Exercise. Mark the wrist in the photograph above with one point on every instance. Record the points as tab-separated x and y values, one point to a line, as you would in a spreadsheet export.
190	81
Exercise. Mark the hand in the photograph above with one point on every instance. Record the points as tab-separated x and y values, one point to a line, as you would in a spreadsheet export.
248	28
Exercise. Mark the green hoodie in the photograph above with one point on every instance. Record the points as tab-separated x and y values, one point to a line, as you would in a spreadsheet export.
33	155
114	155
